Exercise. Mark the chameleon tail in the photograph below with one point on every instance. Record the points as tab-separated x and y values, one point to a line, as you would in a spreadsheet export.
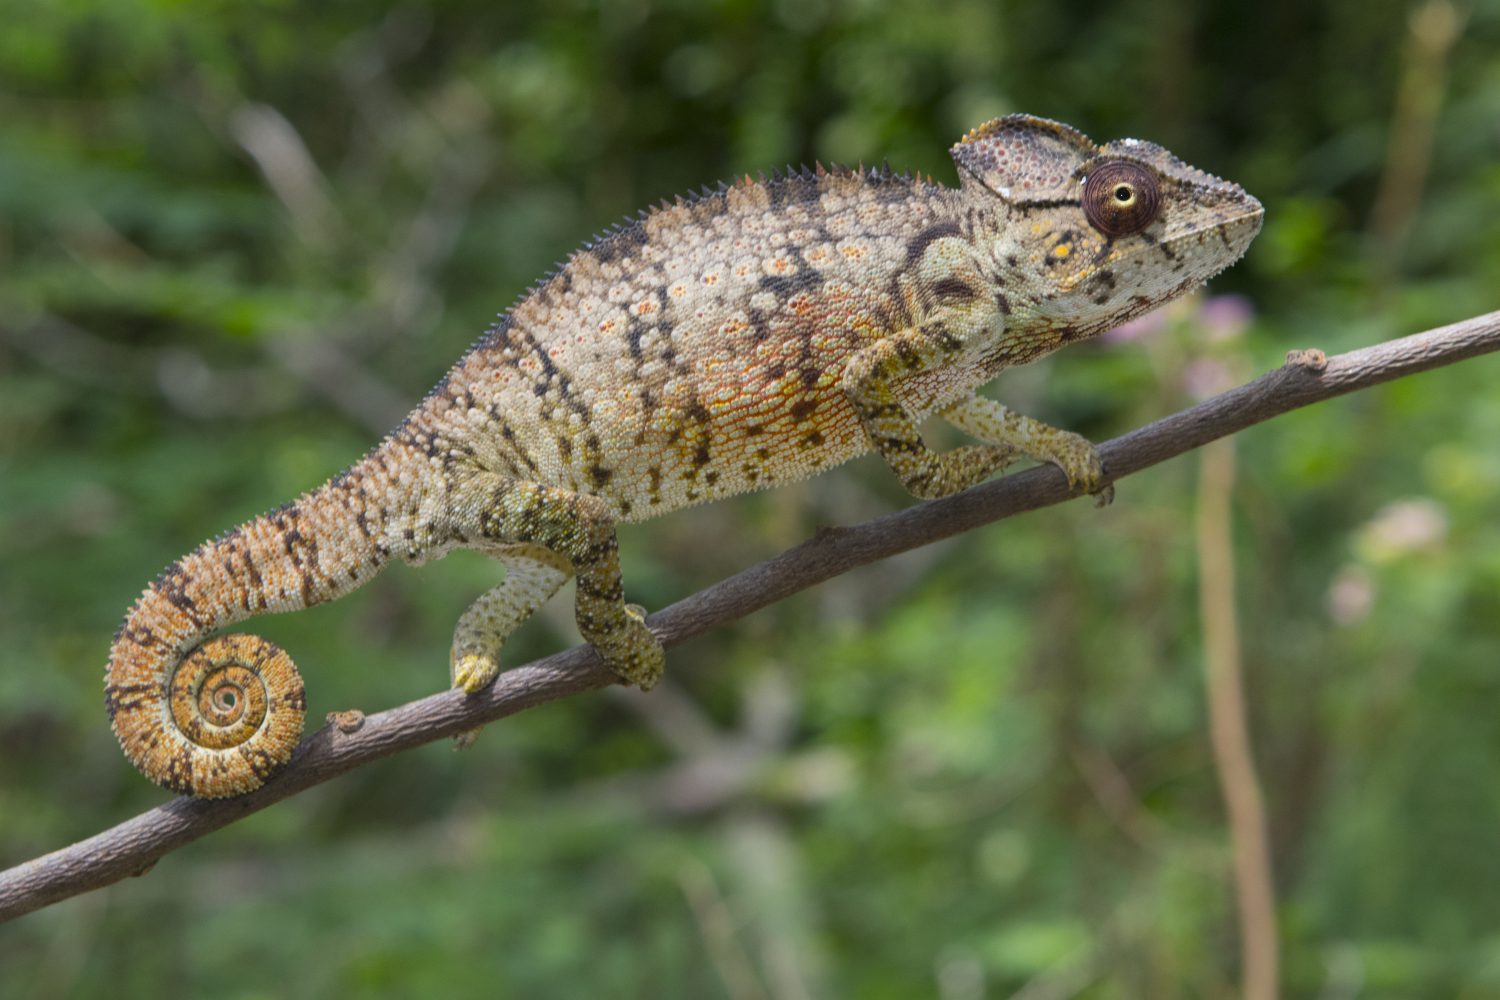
215	717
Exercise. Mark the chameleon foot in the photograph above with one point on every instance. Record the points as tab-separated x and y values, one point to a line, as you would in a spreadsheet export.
636	654
473	672
1079	460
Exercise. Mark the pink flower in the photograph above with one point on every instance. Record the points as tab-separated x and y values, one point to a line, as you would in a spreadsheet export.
1225	317
1205	377
1138	328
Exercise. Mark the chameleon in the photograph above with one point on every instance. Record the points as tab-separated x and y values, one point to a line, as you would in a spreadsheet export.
728	341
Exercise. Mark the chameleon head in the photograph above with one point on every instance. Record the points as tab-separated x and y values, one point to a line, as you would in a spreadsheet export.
1095	235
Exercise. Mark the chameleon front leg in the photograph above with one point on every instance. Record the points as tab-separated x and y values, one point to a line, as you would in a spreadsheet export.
868	380
995	424
552	529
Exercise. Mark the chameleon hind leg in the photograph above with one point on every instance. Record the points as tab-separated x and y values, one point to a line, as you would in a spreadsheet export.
575	530
533	573
995	424
869	381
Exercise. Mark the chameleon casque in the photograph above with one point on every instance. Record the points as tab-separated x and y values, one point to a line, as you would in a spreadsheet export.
726	342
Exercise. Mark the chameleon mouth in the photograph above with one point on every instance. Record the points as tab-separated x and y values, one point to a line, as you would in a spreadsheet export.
1230	238
1239	232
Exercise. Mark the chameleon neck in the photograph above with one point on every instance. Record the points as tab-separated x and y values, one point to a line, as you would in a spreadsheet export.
196	716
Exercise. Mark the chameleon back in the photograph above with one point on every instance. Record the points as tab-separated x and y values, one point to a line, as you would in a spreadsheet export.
694	353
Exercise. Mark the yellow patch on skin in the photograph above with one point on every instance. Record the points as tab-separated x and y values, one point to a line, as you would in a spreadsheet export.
1061	250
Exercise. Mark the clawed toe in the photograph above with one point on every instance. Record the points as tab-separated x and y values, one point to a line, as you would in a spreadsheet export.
473	672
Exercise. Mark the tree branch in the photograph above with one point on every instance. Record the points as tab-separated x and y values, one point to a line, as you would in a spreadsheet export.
132	847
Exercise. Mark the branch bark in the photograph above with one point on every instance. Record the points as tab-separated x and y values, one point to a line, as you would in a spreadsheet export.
132	847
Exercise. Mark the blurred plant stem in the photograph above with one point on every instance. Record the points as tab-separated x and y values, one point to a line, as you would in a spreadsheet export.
1228	726
719	925
1433	29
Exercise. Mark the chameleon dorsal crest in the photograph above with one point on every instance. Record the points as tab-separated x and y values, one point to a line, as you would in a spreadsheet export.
1023	158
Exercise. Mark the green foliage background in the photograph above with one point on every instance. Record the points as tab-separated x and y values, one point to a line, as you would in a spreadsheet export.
238	239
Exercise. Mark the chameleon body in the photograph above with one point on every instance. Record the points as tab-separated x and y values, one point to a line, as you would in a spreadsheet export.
726	342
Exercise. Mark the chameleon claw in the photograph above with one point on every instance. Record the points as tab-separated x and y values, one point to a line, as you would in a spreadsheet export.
473	672
1079	460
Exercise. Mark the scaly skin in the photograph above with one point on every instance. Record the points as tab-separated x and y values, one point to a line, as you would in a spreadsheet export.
731	341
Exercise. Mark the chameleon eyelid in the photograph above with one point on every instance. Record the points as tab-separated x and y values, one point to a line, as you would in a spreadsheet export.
1113	215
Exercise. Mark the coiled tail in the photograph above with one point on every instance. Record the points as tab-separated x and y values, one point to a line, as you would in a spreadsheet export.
217	716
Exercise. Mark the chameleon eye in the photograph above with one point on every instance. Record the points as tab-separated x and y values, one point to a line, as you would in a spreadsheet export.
1121	198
